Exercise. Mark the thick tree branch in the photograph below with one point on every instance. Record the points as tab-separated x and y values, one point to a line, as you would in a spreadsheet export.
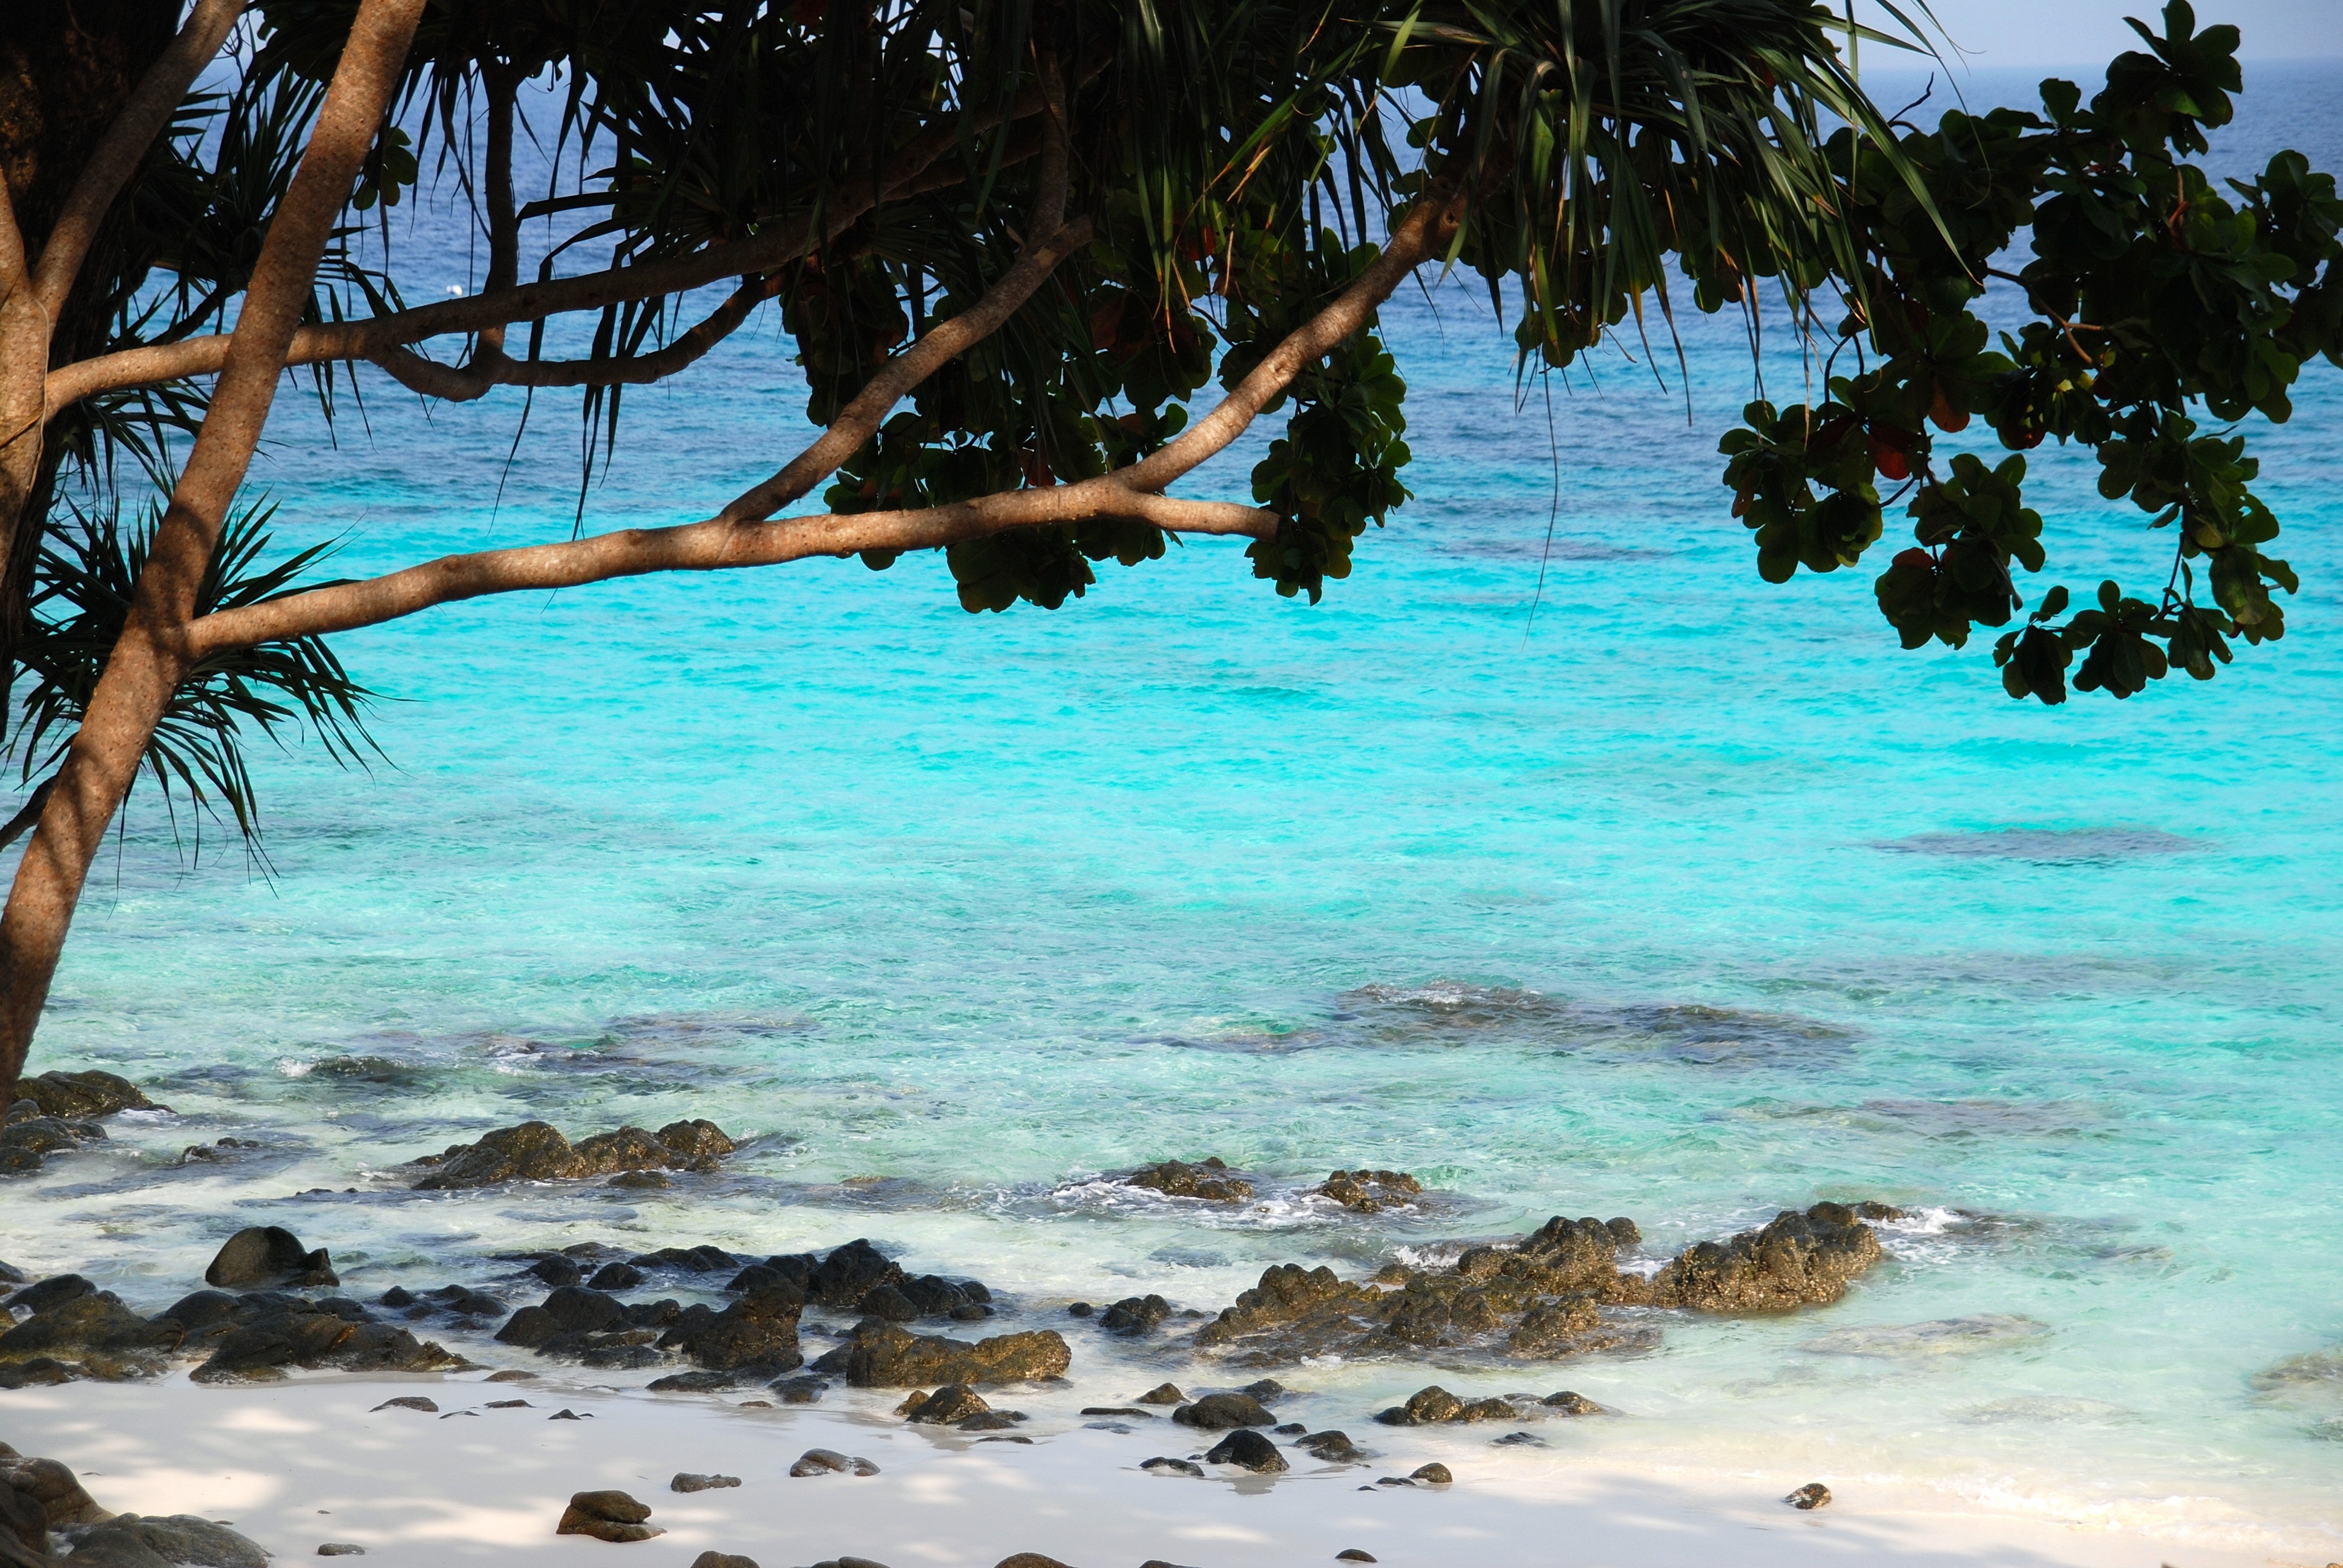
124	146
711	545
462	384
149	656
909	175
1416	240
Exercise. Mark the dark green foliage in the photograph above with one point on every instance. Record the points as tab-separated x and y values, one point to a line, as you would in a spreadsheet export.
2152	295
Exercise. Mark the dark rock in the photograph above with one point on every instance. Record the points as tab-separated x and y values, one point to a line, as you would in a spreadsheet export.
340	1548
1330	1447
1028	1560
849	1273
723	1560
798	1390
694	1382
830	1461
268	1332
616	1277
1247	1450
88	1324
1136	1314
1220	1411
1006	1437
130	1540
41	1372
471	1304
937	1297
1207	1180
1118	1410
511	1374
1353	1555
1814	1495
1436	1405
1433	1474
1521	1439
409	1402
558	1272
396	1296
952	1402
84	1094
887	1304
1796	1260
1369	1192
51	1486
536	1152
992	1421
570	1415
269	1255
1163	1394
607	1516
640	1180
1569	1404
1080	1310
758	1331
50	1291
687	1482
699	1260
1164	1466
886	1355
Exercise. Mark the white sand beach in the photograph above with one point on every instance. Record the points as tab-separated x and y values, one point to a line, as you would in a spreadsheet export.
299	1463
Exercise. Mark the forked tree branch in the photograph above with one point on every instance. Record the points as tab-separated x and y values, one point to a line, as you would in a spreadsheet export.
912	174
463	383
123	146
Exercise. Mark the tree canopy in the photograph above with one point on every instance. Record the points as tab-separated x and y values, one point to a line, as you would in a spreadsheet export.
1039	259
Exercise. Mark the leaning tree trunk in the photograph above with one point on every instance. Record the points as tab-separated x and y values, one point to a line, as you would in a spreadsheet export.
151	655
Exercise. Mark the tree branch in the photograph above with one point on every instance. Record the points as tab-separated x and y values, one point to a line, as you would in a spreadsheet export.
123	146
911	174
714	544
462	384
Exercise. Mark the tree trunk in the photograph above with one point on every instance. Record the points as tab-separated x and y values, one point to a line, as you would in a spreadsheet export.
150	658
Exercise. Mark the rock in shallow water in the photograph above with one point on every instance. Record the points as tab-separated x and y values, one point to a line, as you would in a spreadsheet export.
1220	1411
130	1540
886	1355
830	1461
269	1255
1247	1450
722	1559
685	1480
1369	1191
1163	1394
1814	1495
606	1515
1162	1465
1207	1180
537	1151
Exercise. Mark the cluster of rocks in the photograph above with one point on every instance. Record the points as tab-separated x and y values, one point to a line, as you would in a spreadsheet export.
77	1331
43	1506
1369	1192
537	1151
1208	1180
1542	1296
1436	1407
58	1111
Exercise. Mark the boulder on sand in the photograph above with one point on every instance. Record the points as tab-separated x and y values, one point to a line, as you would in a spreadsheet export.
607	1516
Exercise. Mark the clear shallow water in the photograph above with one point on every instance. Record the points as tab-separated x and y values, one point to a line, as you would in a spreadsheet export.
1691	900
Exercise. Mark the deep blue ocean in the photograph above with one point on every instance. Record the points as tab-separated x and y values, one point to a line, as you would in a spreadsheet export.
1653	891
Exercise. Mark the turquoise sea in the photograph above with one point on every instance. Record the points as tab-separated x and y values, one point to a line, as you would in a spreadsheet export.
1652	890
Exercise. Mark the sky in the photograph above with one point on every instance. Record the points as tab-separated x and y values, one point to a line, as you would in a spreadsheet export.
2033	33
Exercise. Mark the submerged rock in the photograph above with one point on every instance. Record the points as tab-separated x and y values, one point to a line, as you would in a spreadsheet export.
269	1255
1369	1191
1207	1180
27	1141
537	1151
886	1355
1162	1465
